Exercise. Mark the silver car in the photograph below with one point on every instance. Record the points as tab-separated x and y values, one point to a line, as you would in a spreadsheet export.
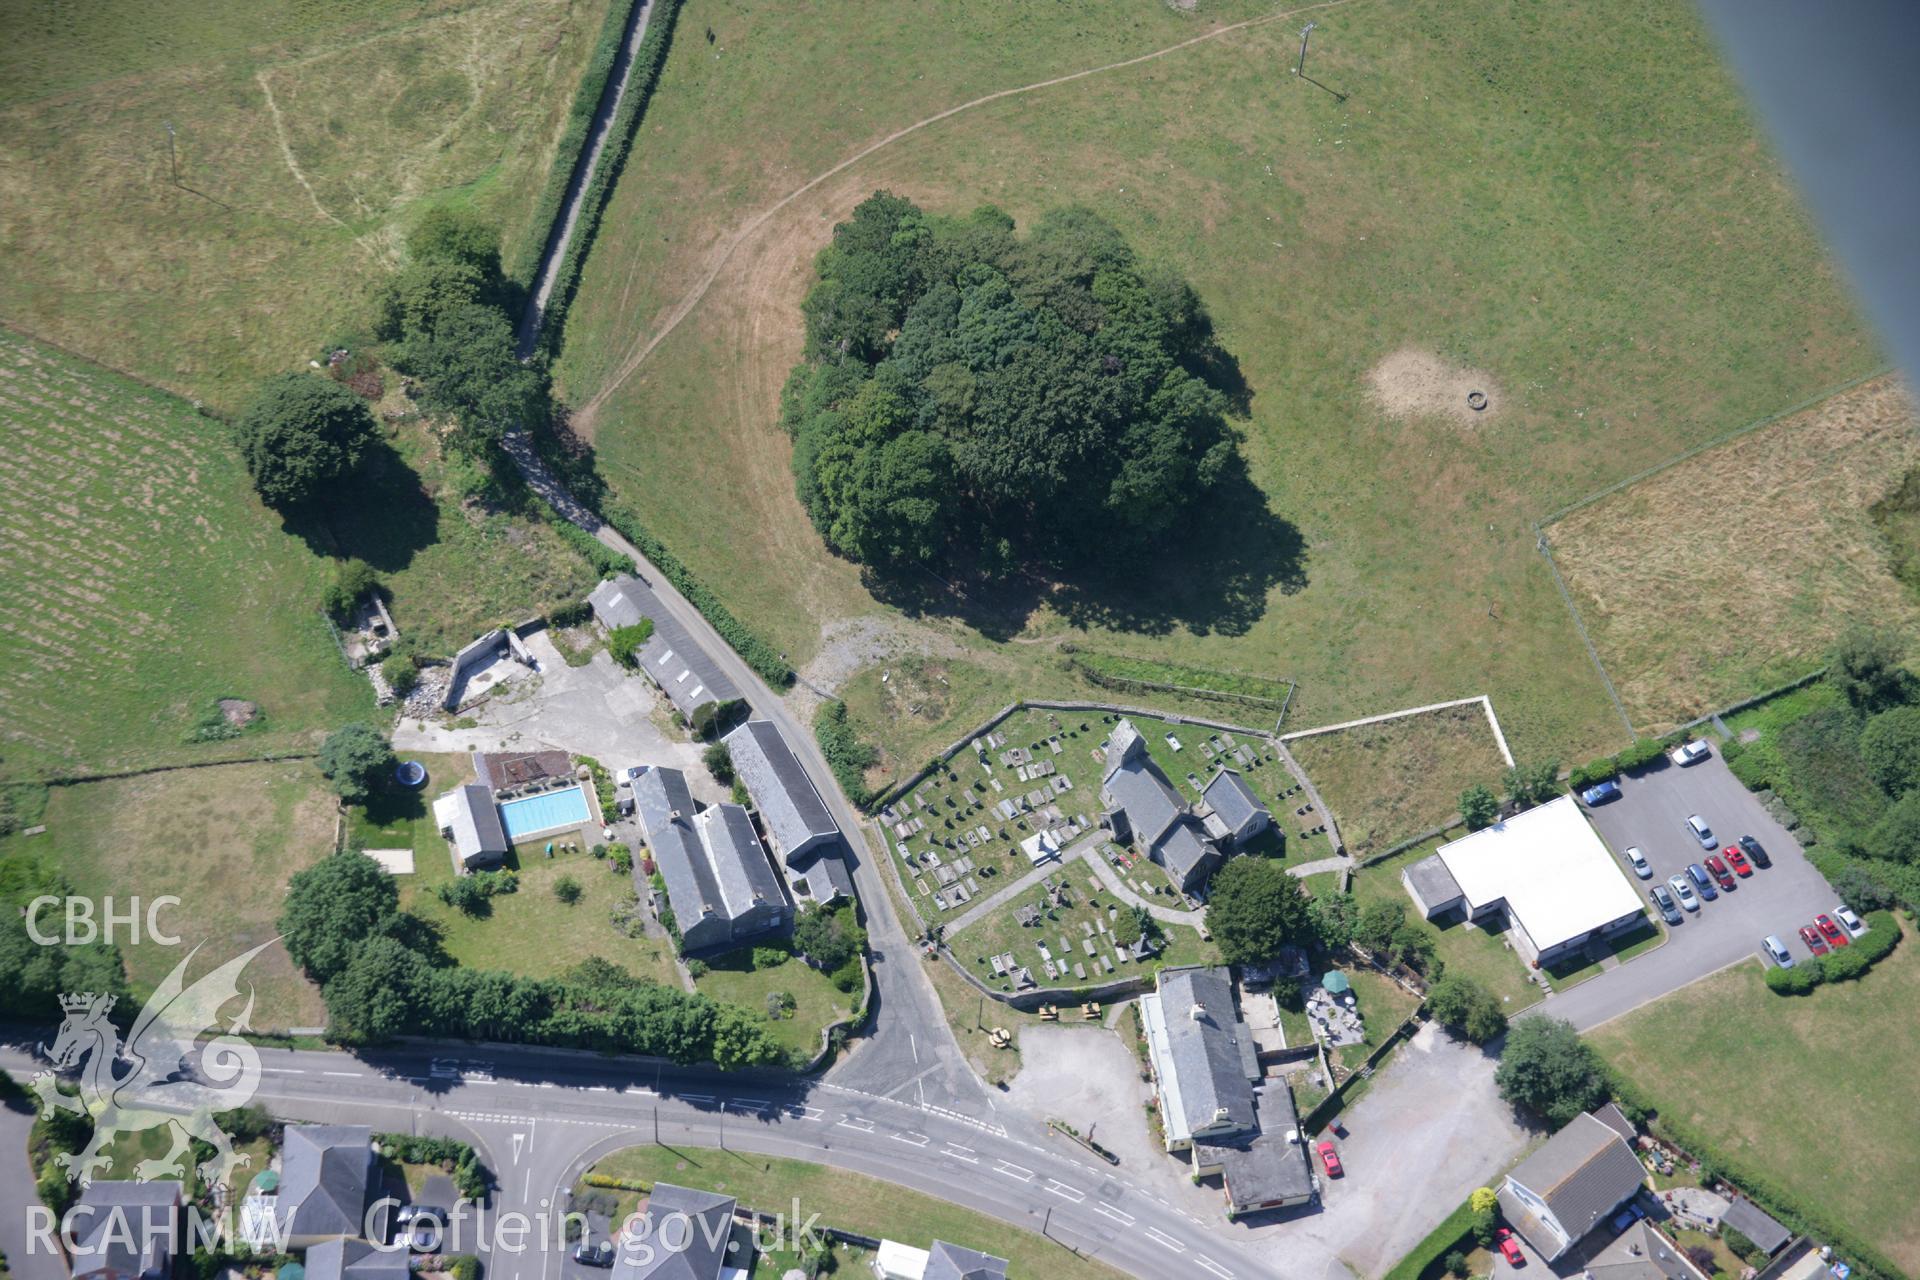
1777	951
1638	861
1683	890
1701	831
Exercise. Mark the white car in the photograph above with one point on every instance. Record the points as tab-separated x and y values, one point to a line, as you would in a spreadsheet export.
1777	951
1852	923
1689	753
1683	890
1638	861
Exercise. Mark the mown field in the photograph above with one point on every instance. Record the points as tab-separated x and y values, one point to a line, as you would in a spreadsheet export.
1538	208
306	139
1737	569
1840	1100
1388	781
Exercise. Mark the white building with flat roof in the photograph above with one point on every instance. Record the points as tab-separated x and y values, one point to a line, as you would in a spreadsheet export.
1545	867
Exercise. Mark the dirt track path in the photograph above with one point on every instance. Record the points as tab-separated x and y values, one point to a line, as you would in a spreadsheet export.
638	355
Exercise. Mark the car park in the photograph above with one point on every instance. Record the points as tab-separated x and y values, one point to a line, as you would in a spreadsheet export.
1331	1159
1663	902
1776	951
1737	860
1701	831
1684	891
1509	1248
1833	933
1815	943
1852	923
1752	848
1689	752
1702	881
1601	792
1718	870
1638	861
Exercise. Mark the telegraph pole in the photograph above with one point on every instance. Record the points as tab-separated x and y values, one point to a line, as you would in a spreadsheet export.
1305	31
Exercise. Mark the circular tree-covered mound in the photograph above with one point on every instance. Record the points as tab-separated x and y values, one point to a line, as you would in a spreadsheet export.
990	402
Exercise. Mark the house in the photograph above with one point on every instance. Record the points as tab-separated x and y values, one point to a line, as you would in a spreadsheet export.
126	1230
468	819
719	883
1201	1055
326	1181
1238	815
354	1259
896	1261
805	840
1641	1252
684	1234
1145	808
1268	1169
1570	1185
1545	868
671	657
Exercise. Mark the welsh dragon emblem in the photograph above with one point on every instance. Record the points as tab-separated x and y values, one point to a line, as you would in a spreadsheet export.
161	1075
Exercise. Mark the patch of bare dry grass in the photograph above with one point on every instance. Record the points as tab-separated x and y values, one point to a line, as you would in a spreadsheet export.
1388	781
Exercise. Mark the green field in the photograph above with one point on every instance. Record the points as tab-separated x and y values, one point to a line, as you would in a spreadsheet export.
1836	1067
847	1201
1549	212
1389	781
306	139
734	978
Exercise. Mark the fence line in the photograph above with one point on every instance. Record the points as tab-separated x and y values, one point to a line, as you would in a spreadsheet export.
67	780
1486	704
1579	625
1107	680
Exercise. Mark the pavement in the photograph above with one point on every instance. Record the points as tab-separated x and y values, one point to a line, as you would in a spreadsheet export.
1652	813
16	1189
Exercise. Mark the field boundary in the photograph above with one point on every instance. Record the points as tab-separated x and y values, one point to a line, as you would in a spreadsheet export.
1486	705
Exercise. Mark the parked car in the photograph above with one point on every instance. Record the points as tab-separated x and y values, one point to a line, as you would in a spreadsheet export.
1701	831
1815	943
1509	1248
594	1255
1638	861
1601	792
1702	881
1752	849
1663	902
1852	923
1330	1158
1719	871
1833	933
1689	753
1777	951
1684	891
1737	860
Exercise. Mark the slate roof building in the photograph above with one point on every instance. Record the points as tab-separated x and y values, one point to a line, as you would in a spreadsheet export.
1570	1185
126	1230
1269	1169
951	1262
1238	814
326	1172
671	657
1202	1056
719	883
1756	1224
1641	1253
1149	811
354	1259
468	819
685	1235
795	817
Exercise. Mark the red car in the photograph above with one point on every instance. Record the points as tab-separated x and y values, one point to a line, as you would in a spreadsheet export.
1738	861
1811	936
1330	1158
1719	871
1833	933
1509	1248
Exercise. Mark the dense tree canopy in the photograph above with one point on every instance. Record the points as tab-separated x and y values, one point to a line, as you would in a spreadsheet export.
332	908
1865	666
355	759
300	435
1254	908
1464	1006
1548	1069
967	392
1890	745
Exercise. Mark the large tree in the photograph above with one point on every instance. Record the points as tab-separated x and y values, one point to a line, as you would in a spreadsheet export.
356	758
969	393
1254	908
1897	834
1464	1006
1890	745
378	995
333	908
1865	666
301	435
1547	1069
468	367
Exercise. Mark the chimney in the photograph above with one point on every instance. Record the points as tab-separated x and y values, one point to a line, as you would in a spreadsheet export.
1198	1011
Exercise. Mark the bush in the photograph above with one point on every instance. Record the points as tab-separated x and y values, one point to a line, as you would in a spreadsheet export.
1742	1248
624	643
770	957
1882	935
1456	1263
697	968
402	671
1464	1006
465	1267
1642	753
1593	773
567	889
848	977
719	762
606	562
352	579
1478	806
1453	1231
847	755
622	859
356	758
1797	981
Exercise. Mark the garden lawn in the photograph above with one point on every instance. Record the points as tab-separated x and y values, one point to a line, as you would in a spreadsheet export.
1837	1070
1389	781
734	978
1383	1003
1463	948
851	1203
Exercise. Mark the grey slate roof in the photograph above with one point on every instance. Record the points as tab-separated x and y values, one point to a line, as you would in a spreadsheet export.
672	658
469	815
125	1228
821	876
1235	802
951	1262
1134	783
1641	1253
1753	1222
795	817
344	1259
1615	1119
1187	854
719	882
1212	1054
1264	1168
1432	884
1583	1173
685	1238
324	1172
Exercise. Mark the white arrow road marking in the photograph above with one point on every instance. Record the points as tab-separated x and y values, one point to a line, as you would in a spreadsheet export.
911	1139
1161	1238
1124	1219
519	1141
1213	1266
1066	1192
1013	1170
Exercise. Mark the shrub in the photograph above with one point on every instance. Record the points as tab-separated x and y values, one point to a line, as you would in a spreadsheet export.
1464	1006
352	579
402	671
1478	806
1797	981
1442	1240
1593	772
624	643
567	889
622	859
575	614
606	562
719	762
697	968
847	755
770	957
1742	1248
1642	753
848	977
465	1267
1456	1263
781	1004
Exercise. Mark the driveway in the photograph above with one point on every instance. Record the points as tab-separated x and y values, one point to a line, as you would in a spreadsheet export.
1652	813
17	1192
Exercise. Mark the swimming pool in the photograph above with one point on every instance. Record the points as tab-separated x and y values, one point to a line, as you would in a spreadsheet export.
530	815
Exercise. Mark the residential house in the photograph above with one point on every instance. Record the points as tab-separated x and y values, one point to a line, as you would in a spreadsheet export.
685	1235
326	1183
806	841
944	1261
469	820
1640	1252
1146	808
1570	1185
719	883
1237	814
126	1230
356	1259
1269	1168
671	657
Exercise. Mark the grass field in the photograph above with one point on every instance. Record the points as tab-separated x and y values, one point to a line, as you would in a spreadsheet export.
1835	1064
848	1201
150	582
1735	570
225	841
1388	781
307	138
1544	207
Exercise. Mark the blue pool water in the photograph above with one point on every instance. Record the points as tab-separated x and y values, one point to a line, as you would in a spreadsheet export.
531	815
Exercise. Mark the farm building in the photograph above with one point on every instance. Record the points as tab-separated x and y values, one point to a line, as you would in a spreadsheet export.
671	658
802	833
468	819
1545	868
719	883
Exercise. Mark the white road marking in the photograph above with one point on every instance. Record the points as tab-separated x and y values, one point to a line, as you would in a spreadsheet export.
1124	1219
752	1104
911	1139
800	1112
349	1075
1164	1240
1013	1170
1066	1192
853	1122
1212	1266
696	1097
959	1152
